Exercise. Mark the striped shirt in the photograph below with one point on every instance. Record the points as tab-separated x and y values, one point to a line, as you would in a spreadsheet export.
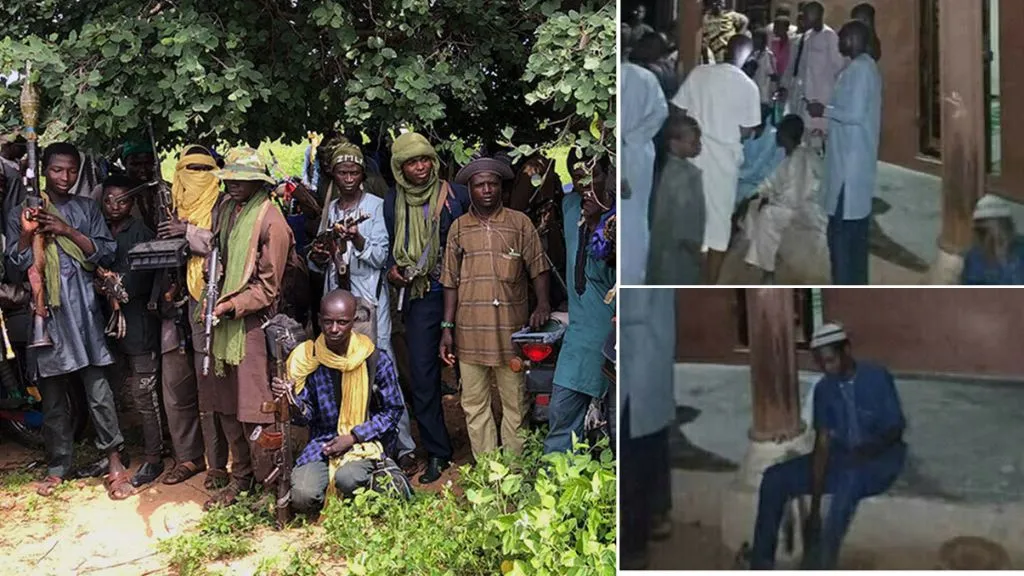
491	263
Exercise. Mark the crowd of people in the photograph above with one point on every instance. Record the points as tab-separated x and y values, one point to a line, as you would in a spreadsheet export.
788	118
385	270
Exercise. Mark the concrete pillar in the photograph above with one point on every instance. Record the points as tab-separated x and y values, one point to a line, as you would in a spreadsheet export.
777	432
961	35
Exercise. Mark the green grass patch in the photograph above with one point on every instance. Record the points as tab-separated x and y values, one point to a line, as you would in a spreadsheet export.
223	533
12	480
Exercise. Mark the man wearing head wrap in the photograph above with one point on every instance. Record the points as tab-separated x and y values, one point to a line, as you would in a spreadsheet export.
362	254
858	453
492	255
195	192
139	160
997	256
255	245
419	211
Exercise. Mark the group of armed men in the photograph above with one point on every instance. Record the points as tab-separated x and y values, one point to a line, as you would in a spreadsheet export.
456	267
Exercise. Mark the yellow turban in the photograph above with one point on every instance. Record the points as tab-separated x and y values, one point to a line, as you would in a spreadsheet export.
195	193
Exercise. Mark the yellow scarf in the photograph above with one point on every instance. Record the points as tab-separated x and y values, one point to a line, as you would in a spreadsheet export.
355	390
195	193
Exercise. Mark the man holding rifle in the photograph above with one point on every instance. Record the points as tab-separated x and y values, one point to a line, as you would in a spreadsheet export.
419	211
346	391
188	391
858	453
255	243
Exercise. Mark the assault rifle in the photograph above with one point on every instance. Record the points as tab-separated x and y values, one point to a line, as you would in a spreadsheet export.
210	296
330	243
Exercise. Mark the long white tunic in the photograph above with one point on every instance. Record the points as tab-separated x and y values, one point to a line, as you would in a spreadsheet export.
794	200
643	112
723	100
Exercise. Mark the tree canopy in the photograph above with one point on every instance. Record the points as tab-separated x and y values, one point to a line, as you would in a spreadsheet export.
529	73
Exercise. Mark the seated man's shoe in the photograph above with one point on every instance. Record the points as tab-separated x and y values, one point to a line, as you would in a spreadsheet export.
148	472
435	466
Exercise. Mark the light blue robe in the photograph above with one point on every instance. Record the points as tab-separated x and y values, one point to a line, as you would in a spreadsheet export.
366	267
590	319
761	157
855	121
647	350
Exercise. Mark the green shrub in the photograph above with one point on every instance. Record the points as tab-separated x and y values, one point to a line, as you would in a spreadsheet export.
527	515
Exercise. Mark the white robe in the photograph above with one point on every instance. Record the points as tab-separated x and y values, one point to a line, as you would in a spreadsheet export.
722	99
643	112
794	208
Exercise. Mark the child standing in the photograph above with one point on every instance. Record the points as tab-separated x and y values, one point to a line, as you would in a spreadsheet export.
677	210
141	343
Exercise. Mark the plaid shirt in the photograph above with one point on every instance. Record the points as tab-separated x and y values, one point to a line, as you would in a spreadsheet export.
318	408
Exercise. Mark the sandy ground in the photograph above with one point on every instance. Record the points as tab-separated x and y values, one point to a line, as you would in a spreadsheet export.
81	531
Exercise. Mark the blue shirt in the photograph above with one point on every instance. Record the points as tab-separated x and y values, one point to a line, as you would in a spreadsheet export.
647	324
978	271
851	157
318	408
761	156
859	411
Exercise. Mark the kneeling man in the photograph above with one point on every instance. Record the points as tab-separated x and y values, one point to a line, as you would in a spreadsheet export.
347	393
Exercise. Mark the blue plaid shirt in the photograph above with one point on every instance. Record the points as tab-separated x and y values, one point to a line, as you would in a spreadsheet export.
318	409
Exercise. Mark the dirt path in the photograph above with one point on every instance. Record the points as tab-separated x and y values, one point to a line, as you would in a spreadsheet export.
81	531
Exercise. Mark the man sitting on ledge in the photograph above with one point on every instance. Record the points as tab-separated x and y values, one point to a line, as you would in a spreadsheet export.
352	419
858	453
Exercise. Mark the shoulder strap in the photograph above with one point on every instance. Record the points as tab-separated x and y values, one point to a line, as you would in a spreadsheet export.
442	200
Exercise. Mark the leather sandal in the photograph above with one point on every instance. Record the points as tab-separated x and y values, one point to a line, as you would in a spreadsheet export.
183	471
48	485
216	479
119	485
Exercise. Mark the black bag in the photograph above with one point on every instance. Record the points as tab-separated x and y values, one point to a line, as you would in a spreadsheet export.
386	476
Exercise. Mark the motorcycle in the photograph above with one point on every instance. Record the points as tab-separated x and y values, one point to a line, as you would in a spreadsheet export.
537	355
21	405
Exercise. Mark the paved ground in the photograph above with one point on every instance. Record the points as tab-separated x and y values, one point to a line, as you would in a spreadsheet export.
963	436
907	223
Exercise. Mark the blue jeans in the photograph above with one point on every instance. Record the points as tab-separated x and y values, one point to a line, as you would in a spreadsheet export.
849	246
847	483
566	412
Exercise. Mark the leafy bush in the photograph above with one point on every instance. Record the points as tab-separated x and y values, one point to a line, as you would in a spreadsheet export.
223	533
524	515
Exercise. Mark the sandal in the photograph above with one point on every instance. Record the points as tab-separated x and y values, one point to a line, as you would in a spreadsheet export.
228	496
119	485
183	471
48	485
216	479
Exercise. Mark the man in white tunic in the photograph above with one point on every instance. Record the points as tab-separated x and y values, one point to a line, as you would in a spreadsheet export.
788	205
727	105
644	111
813	71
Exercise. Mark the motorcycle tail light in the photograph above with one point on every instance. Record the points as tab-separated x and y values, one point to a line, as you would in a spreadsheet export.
537	352
543	399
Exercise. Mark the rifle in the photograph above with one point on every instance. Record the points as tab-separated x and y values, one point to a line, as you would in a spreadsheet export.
210	297
168	254
330	242
34	204
279	441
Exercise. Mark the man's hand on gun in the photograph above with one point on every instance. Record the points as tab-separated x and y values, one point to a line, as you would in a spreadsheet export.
280	387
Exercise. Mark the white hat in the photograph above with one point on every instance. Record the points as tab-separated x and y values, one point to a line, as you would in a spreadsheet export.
829	333
991	206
